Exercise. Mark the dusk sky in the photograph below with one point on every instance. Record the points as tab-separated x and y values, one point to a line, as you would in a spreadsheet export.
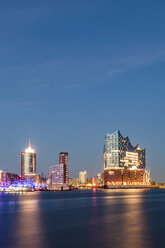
73	70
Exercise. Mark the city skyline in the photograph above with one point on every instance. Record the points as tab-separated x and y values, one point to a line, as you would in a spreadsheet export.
29	149
70	72
118	152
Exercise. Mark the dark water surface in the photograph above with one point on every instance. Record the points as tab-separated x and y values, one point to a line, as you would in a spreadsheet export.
83	218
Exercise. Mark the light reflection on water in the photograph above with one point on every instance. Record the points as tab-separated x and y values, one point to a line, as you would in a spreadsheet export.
95	219
134	226
29	230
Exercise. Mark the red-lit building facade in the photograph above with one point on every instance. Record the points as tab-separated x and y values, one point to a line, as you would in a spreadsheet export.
126	177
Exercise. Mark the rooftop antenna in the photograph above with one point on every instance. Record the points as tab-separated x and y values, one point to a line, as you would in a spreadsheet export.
29	143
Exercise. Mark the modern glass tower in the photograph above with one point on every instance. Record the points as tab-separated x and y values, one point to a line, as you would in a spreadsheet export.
28	162
63	159
120	153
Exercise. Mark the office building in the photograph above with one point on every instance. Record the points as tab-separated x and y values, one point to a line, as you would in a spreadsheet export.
28	162
63	159
83	177
56	174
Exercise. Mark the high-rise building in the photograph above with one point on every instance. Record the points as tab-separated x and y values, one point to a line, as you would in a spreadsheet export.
120	153
83	177
63	159
56	174
28	162
124	164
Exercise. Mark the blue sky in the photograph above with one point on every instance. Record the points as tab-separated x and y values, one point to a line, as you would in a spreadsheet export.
70	71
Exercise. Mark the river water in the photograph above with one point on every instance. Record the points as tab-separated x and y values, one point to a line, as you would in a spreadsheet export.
83	218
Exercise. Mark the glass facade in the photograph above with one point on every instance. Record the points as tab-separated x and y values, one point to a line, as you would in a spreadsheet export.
56	174
111	150
119	152
28	162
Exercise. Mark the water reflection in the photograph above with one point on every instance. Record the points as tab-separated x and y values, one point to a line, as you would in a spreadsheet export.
123	223
29	231
117	219
135	231
94	226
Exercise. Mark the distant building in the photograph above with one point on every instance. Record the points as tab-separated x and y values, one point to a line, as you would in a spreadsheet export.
97	181
28	162
56	174
74	181
124	164
38	179
83	177
94	181
89	181
63	159
7	178
100	179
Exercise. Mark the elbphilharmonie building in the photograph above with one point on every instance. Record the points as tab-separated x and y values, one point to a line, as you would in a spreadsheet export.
123	163
119	152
